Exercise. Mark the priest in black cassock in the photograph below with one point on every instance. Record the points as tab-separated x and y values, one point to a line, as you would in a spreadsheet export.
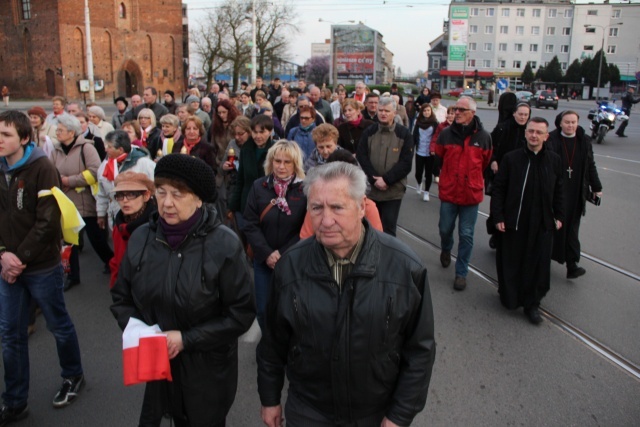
581	181
527	207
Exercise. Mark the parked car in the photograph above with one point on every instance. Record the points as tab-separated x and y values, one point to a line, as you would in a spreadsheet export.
544	98
456	92
474	93
524	96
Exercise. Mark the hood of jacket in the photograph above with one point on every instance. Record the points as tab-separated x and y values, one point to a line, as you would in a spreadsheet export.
458	130
34	155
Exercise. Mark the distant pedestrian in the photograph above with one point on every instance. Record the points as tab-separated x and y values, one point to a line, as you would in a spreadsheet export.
527	208
627	102
5	95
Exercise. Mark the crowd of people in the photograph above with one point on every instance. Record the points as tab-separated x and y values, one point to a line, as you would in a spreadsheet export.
196	193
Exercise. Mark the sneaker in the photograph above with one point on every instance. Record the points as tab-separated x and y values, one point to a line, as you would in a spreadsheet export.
460	283
68	391
419	189
9	415
445	259
425	196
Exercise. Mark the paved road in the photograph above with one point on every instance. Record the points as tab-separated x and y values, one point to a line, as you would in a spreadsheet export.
492	366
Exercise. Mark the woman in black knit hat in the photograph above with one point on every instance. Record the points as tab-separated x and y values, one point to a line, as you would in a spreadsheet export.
188	273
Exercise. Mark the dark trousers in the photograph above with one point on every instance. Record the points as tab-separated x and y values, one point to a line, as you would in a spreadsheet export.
572	243
437	165
389	211
99	240
624	123
424	165
299	414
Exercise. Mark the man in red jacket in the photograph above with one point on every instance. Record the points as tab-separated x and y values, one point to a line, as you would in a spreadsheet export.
465	150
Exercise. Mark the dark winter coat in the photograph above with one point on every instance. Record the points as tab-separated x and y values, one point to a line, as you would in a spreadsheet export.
349	135
202	289
507	136
277	230
249	170
350	354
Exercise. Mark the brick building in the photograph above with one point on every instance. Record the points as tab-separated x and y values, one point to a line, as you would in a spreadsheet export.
135	44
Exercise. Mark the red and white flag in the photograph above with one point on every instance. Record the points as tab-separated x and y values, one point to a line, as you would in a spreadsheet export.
144	353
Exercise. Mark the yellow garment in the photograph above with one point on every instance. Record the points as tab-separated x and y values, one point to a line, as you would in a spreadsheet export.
168	146
70	218
91	180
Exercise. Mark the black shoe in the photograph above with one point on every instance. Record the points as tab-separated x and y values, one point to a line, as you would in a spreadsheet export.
492	241
460	283
68	391
445	259
533	314
9	415
576	272
107	269
621	136
70	283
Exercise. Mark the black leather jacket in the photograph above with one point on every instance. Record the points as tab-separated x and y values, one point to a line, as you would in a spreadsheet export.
202	289
348	354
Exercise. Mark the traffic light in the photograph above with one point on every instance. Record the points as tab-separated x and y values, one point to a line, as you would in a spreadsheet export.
475	76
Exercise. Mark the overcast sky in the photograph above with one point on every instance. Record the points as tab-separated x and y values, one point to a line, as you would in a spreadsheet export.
407	26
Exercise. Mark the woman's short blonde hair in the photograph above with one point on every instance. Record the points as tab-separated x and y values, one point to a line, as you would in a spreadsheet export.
289	148
356	105
170	119
148	112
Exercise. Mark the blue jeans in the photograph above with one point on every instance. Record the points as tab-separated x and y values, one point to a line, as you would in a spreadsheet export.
46	290
262	279
466	226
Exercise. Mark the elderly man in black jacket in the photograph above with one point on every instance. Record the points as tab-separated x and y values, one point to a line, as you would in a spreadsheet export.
350	318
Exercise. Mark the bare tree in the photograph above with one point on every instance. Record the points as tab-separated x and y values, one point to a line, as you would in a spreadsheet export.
207	42
232	16
275	24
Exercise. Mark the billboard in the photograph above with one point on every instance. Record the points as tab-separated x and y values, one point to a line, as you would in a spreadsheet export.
354	51
458	33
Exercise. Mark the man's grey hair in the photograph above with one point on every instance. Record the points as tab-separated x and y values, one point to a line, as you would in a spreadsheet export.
360	82
387	100
98	111
119	139
71	123
336	170
303	98
79	104
472	102
205	100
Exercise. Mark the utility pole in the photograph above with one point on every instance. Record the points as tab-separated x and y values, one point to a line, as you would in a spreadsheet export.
87	24
254	53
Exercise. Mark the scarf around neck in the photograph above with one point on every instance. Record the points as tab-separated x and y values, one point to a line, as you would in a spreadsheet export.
357	121
177	233
281	186
188	145
111	168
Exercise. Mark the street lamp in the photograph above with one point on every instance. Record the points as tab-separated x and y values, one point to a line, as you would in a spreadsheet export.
334	51
604	30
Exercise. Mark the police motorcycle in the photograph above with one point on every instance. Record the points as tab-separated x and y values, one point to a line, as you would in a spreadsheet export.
603	119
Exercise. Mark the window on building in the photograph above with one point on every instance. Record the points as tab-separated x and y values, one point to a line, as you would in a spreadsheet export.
616	13
592	12
519	30
505	12
533	64
564	48
517	64
488	47
566	31
504	29
502	63
536	13
551	31
473	29
490	11
517	47
471	63
613	32
533	48
474	11
548	48
436	63
486	63
472	46
587	47
535	31
26	9
122	11
568	13
553	13
590	29
488	29
519	12
546	63
563	65
611	49
502	47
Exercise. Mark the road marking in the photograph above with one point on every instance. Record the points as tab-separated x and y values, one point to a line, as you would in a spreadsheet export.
618	158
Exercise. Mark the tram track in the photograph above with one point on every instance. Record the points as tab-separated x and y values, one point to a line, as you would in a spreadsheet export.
572	330
588	256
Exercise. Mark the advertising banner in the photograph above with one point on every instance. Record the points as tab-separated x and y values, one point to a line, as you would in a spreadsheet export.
355	52
458	30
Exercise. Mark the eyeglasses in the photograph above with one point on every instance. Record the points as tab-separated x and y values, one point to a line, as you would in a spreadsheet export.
129	195
461	110
305	118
